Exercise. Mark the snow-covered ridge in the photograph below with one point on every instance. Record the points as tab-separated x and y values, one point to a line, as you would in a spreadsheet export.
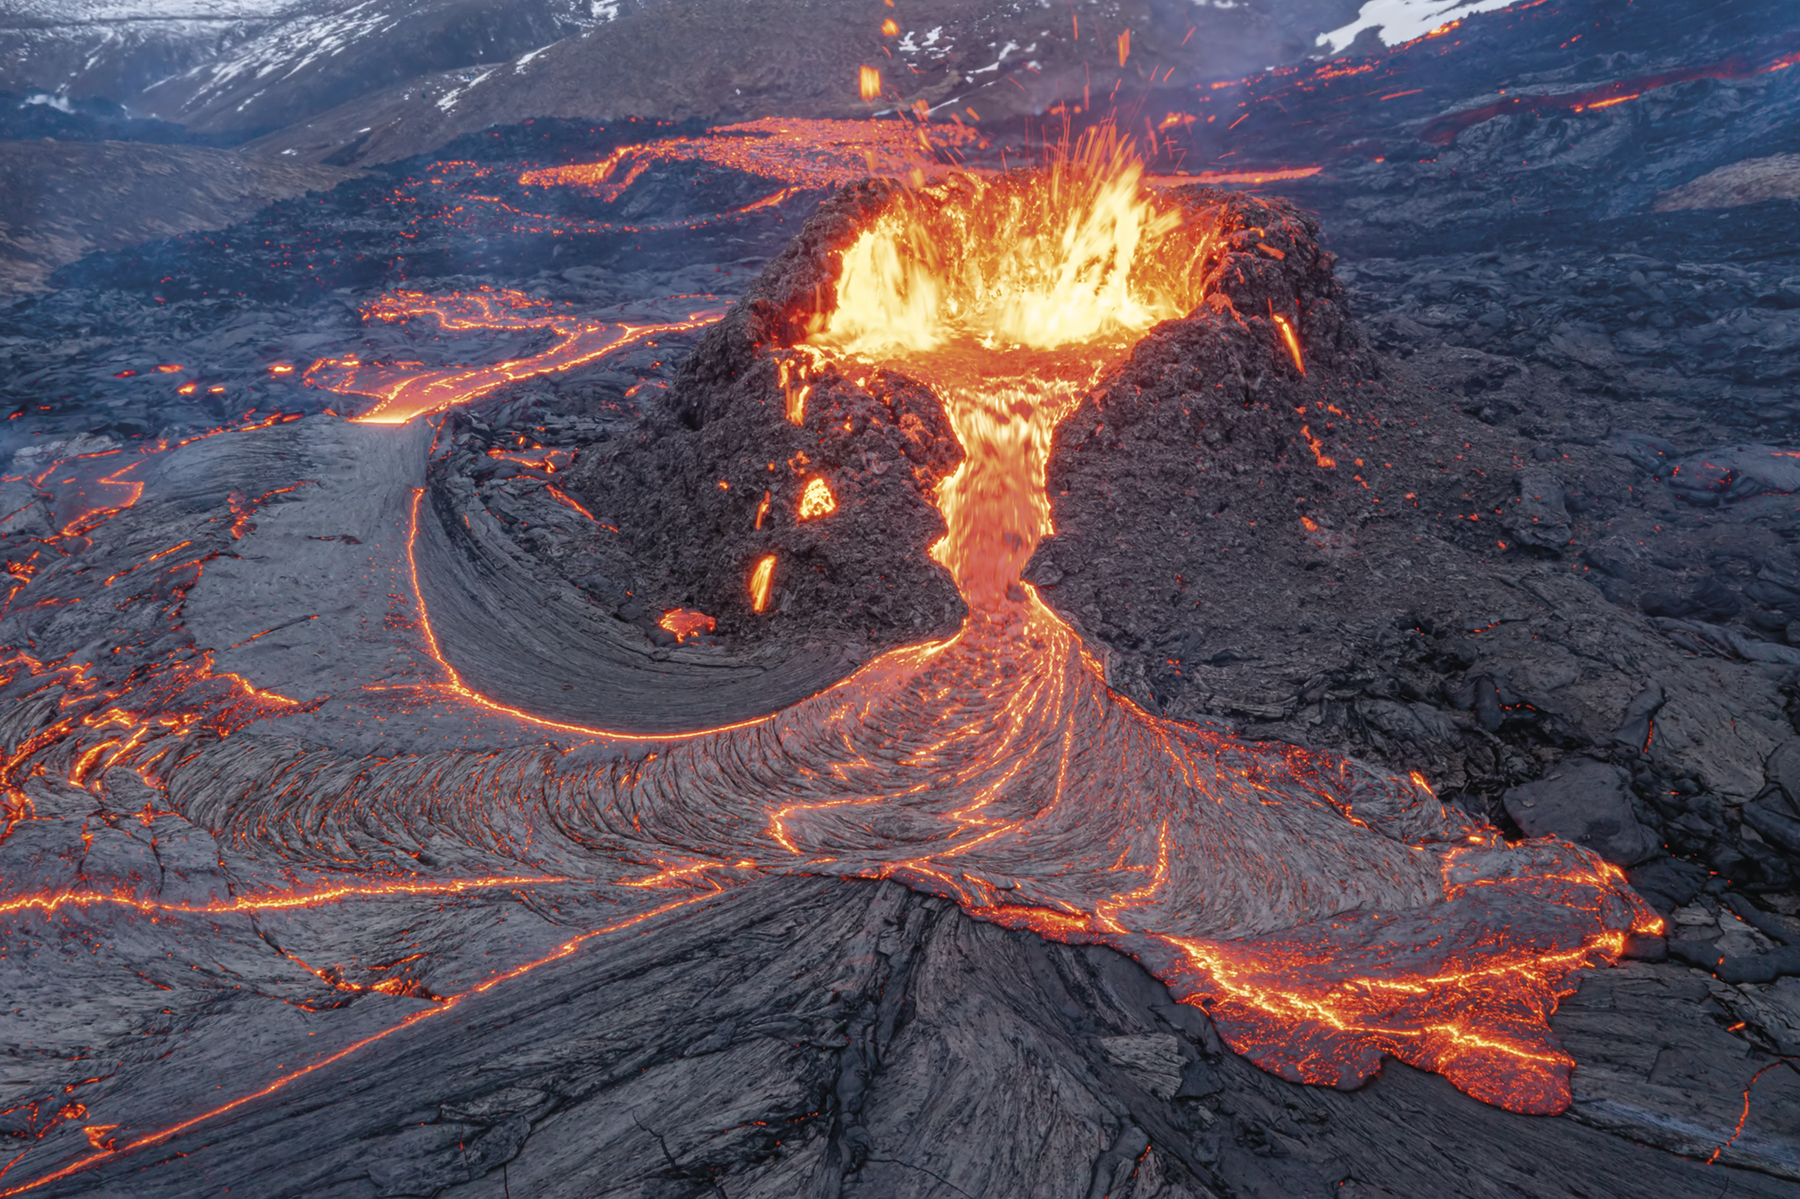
1396	21
81	12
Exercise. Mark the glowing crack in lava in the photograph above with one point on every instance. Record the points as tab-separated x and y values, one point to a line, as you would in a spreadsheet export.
802	154
403	391
1324	914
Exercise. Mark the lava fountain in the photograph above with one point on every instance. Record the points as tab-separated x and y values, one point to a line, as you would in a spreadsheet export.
1323	913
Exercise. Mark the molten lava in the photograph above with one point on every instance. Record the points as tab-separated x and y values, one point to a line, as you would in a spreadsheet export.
762	581
406	390
1011	296
816	500
686	623
1324	914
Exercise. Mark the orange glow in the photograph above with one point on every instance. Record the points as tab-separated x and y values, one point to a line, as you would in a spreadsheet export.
686	623
890	28
169	368
1271	175
1124	46
1308	901
1287	336
762	510
404	391
50	902
802	154
1318	448
868	83
816	500
1010	296
762	579
281	368
448	1003
1442	130
453	683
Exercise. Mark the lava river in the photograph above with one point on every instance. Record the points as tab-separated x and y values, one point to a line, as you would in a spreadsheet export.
1324	914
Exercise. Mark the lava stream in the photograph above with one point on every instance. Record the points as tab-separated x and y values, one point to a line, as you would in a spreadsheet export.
404	391
1325	914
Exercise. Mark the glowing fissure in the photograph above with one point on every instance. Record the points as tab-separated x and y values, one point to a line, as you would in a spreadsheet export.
404	391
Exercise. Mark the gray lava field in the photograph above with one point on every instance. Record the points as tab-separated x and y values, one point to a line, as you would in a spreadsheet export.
277	917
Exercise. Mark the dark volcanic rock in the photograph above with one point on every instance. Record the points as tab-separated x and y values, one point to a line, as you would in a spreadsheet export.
61	200
1586	802
717	483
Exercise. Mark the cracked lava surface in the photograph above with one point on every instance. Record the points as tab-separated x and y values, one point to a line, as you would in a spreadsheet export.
1324	914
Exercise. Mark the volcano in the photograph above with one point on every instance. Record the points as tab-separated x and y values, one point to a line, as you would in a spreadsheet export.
1188	634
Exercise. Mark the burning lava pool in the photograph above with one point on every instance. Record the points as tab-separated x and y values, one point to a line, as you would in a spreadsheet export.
1323	913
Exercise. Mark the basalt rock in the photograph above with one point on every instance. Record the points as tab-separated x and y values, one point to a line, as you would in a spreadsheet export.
724	442
717	486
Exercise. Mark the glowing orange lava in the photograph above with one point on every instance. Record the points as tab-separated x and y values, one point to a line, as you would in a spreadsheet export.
446	1004
762	580
407	390
686	623
1443	130
1010	298
1326	915
802	154
1323	913
816	500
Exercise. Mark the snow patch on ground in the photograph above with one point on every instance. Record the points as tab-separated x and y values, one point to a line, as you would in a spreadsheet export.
81	12
1396	21
524	59
57	101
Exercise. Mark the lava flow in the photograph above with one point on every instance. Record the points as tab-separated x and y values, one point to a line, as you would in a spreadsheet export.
1324	914
406	390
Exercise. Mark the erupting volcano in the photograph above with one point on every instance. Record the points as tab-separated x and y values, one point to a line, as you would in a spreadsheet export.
925	632
1323	913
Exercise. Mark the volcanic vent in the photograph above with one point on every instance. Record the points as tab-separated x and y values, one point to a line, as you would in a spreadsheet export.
1324	913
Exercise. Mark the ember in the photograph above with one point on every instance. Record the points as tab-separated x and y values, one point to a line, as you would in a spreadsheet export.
816	500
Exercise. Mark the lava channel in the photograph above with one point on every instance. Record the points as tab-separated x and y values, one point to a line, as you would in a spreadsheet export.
403	391
1324	913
